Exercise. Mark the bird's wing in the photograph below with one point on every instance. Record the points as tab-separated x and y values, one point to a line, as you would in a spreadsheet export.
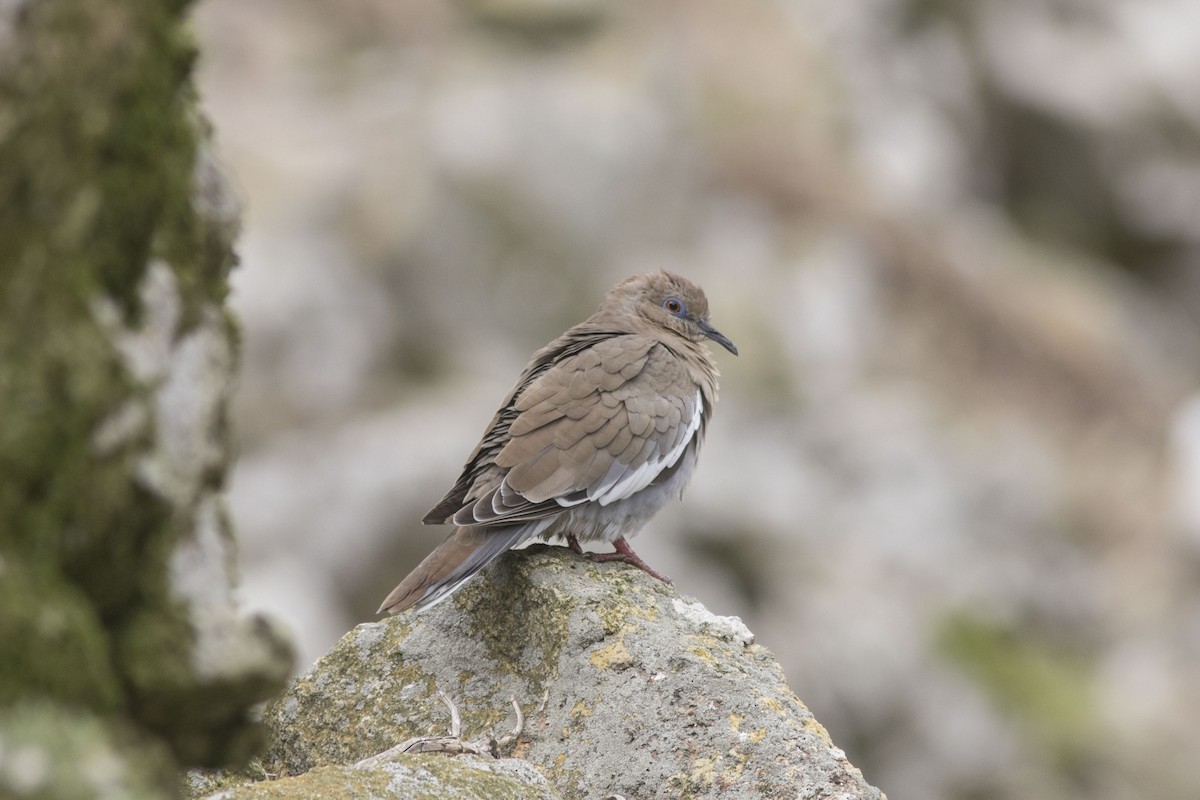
599	425
479	473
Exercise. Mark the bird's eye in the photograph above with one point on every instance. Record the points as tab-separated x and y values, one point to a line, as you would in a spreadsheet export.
674	306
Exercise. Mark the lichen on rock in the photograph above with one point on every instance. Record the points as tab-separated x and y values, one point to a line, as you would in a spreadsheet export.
626	687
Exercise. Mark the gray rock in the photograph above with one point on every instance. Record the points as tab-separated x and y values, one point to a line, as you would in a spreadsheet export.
627	689
466	778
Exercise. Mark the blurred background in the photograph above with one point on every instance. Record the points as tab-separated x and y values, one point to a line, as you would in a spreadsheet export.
953	481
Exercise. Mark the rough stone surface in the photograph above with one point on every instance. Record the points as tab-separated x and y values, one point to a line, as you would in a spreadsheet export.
417	776
646	693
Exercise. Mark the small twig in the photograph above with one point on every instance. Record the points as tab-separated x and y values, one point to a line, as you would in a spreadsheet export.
454	743
505	741
455	720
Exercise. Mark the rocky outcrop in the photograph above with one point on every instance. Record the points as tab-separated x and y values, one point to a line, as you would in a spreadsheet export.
625	687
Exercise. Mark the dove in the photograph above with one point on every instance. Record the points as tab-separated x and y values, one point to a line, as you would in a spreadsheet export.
602	429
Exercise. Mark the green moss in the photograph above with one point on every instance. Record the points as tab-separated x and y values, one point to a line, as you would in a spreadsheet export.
308	731
95	148
98	137
519	617
331	782
59	753
467	779
622	616
98	155
99	152
1050	690
419	777
205	783
53	642
206	723
561	776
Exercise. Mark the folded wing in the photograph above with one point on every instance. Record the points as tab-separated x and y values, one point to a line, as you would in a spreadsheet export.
599	426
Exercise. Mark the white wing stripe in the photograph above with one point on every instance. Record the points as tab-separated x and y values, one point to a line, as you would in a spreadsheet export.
619	483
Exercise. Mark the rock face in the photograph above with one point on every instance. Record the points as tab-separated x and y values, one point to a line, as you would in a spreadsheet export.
627	689
122	655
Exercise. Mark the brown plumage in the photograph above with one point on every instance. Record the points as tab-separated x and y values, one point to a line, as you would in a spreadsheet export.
601	430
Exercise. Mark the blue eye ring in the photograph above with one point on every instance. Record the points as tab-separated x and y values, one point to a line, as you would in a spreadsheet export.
674	306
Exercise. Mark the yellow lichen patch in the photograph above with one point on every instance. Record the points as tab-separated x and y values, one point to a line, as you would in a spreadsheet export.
577	718
813	726
522	748
713	651
703	771
703	654
788	694
772	704
618	617
734	771
614	656
735	722
558	774
757	736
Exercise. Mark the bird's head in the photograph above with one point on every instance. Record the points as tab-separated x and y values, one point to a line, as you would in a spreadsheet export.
668	301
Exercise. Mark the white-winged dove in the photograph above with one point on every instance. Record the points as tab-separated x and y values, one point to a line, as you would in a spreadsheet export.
601	430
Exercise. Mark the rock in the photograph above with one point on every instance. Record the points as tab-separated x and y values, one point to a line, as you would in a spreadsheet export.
51	750
627	689
124	656
466	778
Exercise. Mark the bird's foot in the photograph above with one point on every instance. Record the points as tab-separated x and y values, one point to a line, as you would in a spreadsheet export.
625	553
573	543
453	743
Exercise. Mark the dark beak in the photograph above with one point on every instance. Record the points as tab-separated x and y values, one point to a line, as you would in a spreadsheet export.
717	336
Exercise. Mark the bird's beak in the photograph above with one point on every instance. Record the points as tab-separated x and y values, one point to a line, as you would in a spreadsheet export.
717	336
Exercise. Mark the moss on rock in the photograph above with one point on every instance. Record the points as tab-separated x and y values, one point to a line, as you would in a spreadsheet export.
626	688
113	266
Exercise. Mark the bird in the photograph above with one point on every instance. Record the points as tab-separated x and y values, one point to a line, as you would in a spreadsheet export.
601	430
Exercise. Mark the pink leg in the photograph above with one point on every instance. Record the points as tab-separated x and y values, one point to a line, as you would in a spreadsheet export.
625	553
573	543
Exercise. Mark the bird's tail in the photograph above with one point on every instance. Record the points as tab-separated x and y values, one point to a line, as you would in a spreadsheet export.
455	561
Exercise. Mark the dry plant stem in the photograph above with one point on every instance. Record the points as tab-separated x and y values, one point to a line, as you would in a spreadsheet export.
453	744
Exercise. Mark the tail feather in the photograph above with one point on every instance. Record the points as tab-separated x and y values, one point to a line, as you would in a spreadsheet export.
454	562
